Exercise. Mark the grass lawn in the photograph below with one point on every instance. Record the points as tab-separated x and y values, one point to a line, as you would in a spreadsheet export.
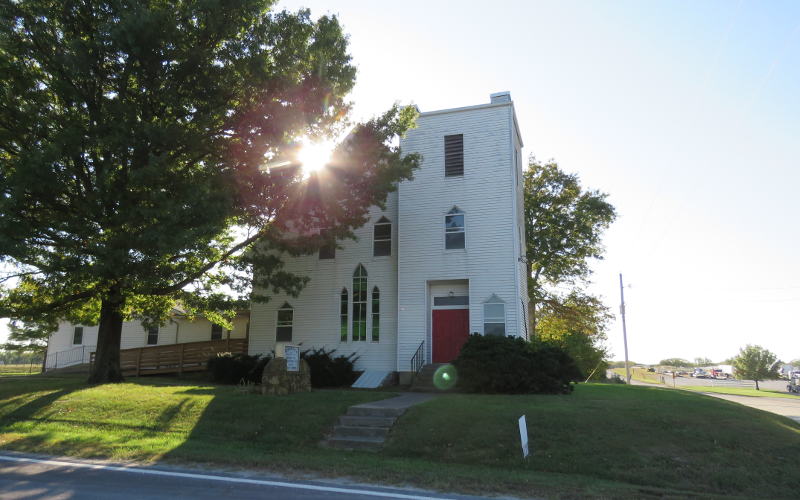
640	375
16	370
740	391
611	441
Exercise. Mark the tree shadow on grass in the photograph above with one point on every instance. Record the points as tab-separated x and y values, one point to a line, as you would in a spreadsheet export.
32	407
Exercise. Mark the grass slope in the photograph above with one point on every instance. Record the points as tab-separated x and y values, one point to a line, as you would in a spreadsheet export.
602	441
646	436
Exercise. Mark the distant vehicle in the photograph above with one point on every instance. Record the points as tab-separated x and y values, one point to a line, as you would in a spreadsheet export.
794	385
699	373
718	373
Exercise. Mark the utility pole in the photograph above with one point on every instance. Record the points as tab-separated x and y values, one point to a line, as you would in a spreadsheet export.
624	330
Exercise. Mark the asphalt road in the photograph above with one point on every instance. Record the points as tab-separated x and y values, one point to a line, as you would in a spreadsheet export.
28	477
788	407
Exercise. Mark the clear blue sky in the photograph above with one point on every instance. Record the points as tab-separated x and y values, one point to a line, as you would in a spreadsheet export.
686	112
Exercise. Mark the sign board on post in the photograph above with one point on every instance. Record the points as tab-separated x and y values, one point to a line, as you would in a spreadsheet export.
523	436
292	354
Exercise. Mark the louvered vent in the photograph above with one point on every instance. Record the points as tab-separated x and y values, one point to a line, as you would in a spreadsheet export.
453	155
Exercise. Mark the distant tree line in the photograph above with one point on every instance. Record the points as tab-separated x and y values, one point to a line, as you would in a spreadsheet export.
20	357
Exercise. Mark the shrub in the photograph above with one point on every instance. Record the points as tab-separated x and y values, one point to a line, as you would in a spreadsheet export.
495	364
228	368
330	371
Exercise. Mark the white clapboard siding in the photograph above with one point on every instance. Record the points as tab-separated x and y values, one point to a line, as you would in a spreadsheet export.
316	309
134	334
486	194
489	193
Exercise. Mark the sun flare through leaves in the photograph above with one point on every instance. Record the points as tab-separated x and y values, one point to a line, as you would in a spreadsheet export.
313	156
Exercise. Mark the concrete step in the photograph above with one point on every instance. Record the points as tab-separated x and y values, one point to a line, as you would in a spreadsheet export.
345	431
367	411
367	421
356	443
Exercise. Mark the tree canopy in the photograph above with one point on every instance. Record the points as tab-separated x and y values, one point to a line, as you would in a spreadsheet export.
564	225
755	363
146	156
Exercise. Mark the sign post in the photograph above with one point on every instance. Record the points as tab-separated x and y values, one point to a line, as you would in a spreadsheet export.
523	436
292	354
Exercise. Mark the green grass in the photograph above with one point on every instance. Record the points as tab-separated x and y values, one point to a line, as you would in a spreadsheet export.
741	391
17	370
647	436
612	441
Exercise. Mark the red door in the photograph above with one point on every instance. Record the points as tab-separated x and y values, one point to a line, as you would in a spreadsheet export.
450	331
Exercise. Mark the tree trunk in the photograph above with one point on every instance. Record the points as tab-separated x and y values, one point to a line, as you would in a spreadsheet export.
756	381
106	362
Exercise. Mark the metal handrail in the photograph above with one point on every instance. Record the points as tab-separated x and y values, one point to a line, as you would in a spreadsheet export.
68	357
418	359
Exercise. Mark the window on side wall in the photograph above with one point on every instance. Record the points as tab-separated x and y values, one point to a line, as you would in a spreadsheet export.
328	250
454	155
454	230
376	314
216	332
494	316
77	335
382	238
152	335
283	328
360	304
343	315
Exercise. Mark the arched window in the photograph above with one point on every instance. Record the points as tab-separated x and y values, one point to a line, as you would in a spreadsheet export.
376	314
283	328
343	316
494	316
382	238
360	304
454	229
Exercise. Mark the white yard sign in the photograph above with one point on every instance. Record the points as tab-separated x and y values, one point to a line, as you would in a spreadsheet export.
523	436
292	353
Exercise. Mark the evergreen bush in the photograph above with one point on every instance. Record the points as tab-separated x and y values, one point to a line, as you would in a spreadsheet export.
495	364
228	368
330	371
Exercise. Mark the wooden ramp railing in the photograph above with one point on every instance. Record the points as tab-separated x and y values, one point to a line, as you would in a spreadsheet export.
175	358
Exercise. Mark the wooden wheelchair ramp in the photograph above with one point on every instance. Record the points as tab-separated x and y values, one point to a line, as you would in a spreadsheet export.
175	358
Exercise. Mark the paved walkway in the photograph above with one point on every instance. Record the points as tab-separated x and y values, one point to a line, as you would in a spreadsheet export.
402	402
788	407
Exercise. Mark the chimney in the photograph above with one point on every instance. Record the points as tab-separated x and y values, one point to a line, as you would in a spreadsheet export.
504	96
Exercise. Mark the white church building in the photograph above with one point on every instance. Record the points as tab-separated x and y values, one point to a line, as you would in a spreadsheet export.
443	260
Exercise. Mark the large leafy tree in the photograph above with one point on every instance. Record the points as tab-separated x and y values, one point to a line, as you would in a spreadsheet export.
755	363
143	156
564	224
